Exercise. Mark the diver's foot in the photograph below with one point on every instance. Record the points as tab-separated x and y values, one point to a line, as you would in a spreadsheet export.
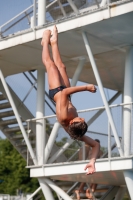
46	37
77	194
54	37
88	194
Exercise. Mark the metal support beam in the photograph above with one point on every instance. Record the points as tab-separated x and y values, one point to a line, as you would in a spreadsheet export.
62	9
110	194
51	140
78	71
50	4
40	130
128	97
109	141
103	3
34	193
58	190
34	12
120	193
98	113
18	118
60	151
45	189
73	6
96	73
129	181
41	12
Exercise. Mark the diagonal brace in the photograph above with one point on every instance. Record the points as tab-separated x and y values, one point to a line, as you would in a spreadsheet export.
18	117
99	82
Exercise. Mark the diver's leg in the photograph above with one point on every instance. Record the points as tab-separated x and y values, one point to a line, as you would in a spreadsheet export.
57	58
54	78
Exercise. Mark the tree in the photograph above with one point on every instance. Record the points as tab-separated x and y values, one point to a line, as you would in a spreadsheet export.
13	174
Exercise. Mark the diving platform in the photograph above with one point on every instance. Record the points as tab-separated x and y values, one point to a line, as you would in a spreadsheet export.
108	172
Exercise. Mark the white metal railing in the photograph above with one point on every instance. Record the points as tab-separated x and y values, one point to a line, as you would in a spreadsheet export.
11	20
111	143
59	11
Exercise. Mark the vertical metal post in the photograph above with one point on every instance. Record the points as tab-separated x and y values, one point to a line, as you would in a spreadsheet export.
41	12
40	131
109	141
96	73
128	97
129	181
34	13
84	151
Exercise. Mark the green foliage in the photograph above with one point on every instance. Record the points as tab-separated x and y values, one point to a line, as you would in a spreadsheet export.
13	172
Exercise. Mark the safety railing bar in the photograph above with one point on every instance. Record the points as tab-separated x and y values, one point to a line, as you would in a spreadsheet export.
53	2
81	111
97	133
16	16
15	23
103	107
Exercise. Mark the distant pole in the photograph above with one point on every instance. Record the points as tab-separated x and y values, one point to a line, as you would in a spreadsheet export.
41	130
127	116
41	12
128	97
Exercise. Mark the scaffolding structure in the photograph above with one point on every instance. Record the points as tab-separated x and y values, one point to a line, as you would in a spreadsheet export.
95	39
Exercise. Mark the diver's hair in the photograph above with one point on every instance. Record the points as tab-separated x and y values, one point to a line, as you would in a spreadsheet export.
77	129
97	140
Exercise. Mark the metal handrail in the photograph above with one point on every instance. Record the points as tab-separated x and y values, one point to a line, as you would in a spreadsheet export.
81	111
16	16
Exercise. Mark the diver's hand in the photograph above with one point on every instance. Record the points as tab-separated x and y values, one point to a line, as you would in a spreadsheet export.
91	88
